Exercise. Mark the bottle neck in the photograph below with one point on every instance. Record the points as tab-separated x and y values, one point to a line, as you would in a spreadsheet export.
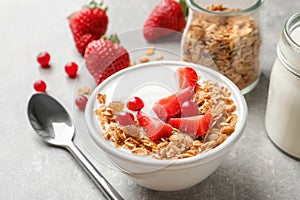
288	48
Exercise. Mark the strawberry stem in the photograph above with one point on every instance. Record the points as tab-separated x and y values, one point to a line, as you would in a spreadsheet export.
114	38
93	4
185	8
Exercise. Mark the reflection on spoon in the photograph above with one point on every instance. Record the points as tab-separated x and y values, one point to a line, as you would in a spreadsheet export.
53	123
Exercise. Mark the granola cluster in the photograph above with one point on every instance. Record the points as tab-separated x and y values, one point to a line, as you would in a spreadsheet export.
228	44
209	96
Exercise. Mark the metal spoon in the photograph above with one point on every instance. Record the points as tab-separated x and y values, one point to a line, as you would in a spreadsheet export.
52	122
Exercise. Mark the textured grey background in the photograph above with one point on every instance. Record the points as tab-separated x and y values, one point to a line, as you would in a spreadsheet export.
255	169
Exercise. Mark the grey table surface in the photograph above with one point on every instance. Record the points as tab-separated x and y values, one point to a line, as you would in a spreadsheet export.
255	169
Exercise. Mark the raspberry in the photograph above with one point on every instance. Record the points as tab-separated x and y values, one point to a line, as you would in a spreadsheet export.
71	69
189	109
125	118
135	104
43	59
40	86
81	101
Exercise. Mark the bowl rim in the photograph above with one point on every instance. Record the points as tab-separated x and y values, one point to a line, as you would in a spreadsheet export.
200	158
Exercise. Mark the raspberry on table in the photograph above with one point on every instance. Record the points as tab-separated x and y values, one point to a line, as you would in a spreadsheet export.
81	101
40	86
71	69
43	58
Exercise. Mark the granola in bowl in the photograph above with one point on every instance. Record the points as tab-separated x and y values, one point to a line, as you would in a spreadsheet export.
213	101
152	148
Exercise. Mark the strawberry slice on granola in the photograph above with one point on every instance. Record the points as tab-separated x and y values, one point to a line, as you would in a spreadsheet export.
170	106
198	125
154	127
187	77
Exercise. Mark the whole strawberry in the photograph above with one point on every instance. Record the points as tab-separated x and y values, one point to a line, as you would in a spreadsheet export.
105	57
168	16
88	24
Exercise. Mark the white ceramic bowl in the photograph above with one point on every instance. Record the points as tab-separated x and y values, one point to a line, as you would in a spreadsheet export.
146	80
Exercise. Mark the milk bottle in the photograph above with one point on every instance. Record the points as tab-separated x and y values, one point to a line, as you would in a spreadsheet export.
283	108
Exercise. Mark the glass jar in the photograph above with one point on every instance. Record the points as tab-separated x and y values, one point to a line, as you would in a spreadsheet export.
225	35
283	107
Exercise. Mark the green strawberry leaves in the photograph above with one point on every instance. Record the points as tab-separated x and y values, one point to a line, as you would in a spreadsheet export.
185	8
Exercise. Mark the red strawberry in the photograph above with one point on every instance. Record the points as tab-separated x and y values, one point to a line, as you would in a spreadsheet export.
105	57
168	16
198	125
88	24
155	128
187	77
170	106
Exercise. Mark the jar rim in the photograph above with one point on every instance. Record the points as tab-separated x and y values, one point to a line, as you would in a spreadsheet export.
288	47
289	26
195	6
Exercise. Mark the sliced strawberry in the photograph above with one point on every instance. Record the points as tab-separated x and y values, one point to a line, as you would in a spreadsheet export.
198	125
143	119
154	127
170	106
187	77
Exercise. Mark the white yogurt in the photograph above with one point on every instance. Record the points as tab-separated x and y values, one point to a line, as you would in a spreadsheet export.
150	93
283	109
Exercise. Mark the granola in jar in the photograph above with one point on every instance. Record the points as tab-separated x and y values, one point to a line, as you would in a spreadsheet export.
225	39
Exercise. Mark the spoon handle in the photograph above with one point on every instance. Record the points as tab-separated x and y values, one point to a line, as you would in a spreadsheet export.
108	190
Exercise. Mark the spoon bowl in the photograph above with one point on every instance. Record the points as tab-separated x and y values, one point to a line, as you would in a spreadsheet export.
48	117
53	124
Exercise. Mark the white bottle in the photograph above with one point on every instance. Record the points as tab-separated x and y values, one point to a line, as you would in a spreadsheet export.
283	108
